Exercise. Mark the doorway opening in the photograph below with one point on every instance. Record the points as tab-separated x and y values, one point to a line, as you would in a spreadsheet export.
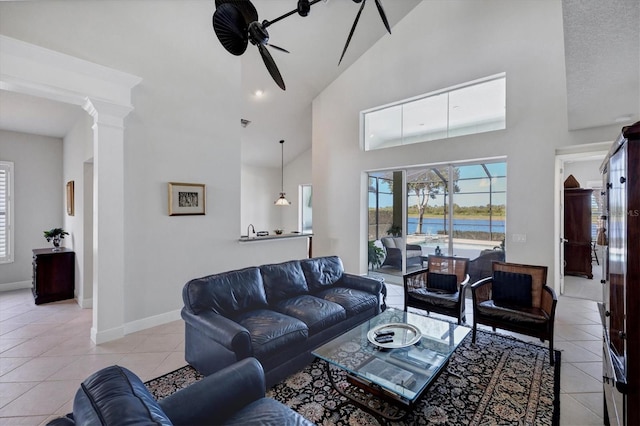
584	167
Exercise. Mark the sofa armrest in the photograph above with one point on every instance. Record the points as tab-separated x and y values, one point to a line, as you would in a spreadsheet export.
218	396
359	282
414	247
481	290
222	330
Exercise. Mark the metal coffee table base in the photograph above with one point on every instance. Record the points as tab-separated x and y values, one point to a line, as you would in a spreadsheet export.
370	397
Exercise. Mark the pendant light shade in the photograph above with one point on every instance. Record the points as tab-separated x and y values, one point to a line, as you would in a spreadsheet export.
282	200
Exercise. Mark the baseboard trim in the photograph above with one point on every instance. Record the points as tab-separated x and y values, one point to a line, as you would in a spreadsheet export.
134	326
16	286
107	335
153	321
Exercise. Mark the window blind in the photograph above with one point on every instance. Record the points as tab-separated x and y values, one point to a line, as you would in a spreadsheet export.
6	169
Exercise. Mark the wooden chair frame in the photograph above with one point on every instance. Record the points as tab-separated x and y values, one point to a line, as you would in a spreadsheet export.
543	297
418	280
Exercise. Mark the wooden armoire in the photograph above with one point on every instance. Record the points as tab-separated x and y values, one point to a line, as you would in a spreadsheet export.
620	310
577	232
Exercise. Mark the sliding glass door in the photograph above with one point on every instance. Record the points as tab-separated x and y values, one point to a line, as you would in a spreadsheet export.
457	210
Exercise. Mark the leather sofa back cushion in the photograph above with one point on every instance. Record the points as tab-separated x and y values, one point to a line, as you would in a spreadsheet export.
448	283
227	293
283	280
115	396
511	288
322	272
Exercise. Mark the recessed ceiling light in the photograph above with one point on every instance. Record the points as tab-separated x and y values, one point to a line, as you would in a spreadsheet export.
258	93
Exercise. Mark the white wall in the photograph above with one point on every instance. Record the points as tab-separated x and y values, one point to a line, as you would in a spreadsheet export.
297	172
440	44
77	151
260	188
38	202
183	129
585	172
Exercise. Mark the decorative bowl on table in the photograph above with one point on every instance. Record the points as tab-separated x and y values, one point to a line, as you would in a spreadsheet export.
403	335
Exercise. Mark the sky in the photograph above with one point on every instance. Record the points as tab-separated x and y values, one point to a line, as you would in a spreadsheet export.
474	183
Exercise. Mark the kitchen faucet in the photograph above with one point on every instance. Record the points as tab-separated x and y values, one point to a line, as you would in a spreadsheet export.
250	226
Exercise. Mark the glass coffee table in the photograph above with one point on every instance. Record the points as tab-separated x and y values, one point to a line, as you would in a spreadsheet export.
399	367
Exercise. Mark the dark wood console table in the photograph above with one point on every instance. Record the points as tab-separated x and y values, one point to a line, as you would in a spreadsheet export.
53	275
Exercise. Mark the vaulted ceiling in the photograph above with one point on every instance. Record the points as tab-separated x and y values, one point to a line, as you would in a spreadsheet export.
602	49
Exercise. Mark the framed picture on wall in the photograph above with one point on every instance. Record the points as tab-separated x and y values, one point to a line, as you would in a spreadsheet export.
186	199
70	195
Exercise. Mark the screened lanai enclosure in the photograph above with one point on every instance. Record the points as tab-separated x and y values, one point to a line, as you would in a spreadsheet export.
457	210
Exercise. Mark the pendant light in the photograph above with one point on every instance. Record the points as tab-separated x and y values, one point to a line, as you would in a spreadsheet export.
282	200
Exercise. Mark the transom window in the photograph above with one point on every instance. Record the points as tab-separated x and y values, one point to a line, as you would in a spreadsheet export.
473	107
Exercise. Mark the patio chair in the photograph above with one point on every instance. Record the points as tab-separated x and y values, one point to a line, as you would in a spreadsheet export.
440	288
480	267
393	247
516	298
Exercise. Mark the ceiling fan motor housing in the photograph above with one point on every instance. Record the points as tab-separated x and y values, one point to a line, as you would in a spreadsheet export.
257	33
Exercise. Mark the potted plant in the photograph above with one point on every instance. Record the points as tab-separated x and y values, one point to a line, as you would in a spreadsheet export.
395	230
55	235
376	254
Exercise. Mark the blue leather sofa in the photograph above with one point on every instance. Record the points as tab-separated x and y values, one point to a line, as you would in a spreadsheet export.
233	396
276	313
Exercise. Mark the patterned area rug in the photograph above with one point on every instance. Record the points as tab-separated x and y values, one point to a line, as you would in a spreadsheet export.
497	381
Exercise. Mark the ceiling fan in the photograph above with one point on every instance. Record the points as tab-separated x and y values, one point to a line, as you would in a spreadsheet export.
236	23
355	22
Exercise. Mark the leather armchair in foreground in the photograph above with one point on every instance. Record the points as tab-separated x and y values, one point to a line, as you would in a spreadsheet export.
233	396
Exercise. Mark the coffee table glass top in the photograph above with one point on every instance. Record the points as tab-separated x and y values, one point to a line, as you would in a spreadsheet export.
404	372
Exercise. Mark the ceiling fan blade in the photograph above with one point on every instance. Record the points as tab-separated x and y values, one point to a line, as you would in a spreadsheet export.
277	48
271	66
353	28
245	7
383	16
230	28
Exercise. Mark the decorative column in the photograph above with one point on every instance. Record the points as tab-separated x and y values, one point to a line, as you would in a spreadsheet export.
108	219
105	93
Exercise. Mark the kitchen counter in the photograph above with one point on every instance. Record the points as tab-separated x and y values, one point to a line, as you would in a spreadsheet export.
245	239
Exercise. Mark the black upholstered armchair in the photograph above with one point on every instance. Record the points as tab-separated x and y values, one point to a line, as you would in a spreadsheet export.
516	298
440	288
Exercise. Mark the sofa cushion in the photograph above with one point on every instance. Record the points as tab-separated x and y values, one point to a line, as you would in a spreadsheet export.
283	280
227	293
271	331
316	313
511	289
322	271
447	283
115	396
391	242
353	301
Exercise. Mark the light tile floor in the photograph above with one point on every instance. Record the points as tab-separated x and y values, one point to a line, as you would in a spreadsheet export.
46	352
